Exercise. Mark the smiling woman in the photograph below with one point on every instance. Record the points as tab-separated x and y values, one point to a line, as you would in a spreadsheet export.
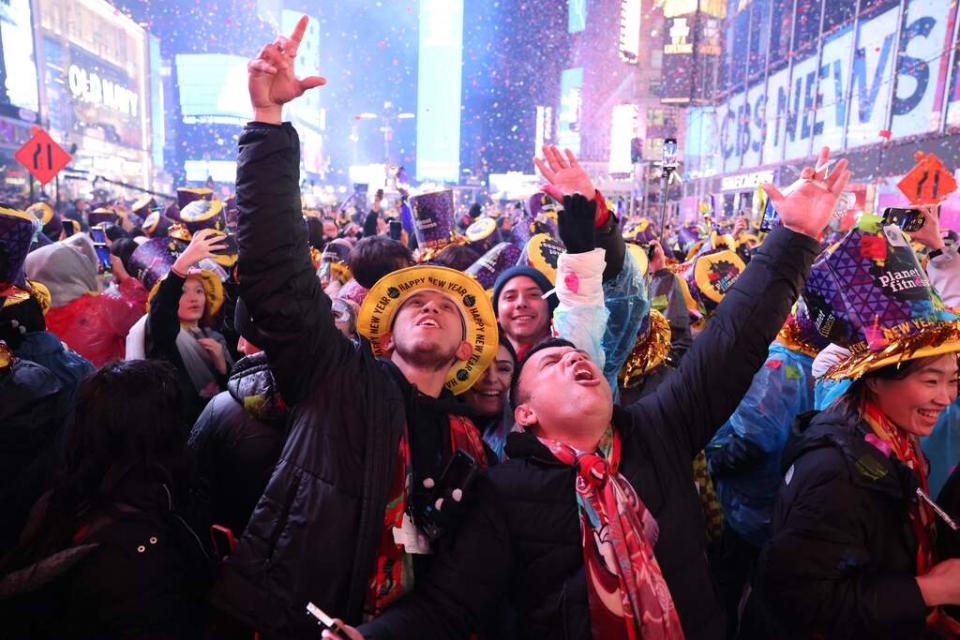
852	551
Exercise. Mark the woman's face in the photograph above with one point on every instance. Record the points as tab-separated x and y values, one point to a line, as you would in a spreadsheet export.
915	402
489	394
192	301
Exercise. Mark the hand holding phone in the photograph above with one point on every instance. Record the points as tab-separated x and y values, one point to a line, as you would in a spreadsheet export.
99	237
909	220
331	628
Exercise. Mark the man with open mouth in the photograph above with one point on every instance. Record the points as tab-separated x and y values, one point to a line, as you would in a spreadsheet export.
592	528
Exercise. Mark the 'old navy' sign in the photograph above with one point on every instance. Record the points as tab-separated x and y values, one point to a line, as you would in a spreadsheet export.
847	88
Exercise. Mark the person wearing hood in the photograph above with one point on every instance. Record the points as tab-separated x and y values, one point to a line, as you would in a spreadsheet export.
24	303
91	322
852	550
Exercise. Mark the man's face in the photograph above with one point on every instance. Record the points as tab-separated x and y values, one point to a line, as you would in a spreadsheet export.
523	313
428	331
560	389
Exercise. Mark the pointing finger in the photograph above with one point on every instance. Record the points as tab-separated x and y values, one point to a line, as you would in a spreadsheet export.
299	30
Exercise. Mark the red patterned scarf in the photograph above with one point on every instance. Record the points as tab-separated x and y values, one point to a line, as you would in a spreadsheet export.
907	450
627	593
393	573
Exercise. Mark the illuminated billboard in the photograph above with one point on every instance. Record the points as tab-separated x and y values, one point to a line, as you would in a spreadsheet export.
213	88
571	101
576	15
18	69
438	90
843	97
96	84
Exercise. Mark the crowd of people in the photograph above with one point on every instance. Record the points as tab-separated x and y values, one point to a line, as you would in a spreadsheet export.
245	418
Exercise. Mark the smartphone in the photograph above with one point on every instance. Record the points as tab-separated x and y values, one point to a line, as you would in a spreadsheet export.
770	218
396	228
70	227
99	237
908	220
223	540
230	246
324	621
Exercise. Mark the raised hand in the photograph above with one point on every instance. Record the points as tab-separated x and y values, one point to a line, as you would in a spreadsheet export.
203	245
811	201
271	78
564	174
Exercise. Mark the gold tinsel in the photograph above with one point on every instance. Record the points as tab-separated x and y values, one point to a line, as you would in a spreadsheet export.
790	337
650	350
934	339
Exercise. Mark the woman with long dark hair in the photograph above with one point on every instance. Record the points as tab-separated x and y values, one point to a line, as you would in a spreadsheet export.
106	552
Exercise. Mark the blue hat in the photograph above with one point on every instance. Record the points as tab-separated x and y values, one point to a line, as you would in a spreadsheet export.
537	276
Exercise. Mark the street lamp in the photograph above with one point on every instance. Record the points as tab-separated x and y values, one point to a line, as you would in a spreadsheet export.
387	118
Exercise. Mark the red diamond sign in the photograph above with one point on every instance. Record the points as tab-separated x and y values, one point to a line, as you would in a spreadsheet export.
41	156
929	182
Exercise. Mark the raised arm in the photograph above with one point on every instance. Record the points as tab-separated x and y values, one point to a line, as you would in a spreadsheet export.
717	371
277	280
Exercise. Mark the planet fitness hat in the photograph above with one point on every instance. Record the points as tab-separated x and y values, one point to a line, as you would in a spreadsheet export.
711	275
482	235
387	296
186	195
542	253
102	215
42	212
433	219
203	214
869	294
494	262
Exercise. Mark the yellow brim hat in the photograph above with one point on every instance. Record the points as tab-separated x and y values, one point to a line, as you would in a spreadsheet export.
385	298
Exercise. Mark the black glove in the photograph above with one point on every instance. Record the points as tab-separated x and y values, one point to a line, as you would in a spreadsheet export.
575	223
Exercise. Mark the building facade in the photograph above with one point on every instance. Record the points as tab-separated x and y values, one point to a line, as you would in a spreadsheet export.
874	80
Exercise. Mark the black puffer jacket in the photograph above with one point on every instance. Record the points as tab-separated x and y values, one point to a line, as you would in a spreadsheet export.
237	440
522	538
841	562
314	533
33	406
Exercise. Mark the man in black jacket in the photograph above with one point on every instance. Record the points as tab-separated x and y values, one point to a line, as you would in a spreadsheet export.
523	538
342	521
